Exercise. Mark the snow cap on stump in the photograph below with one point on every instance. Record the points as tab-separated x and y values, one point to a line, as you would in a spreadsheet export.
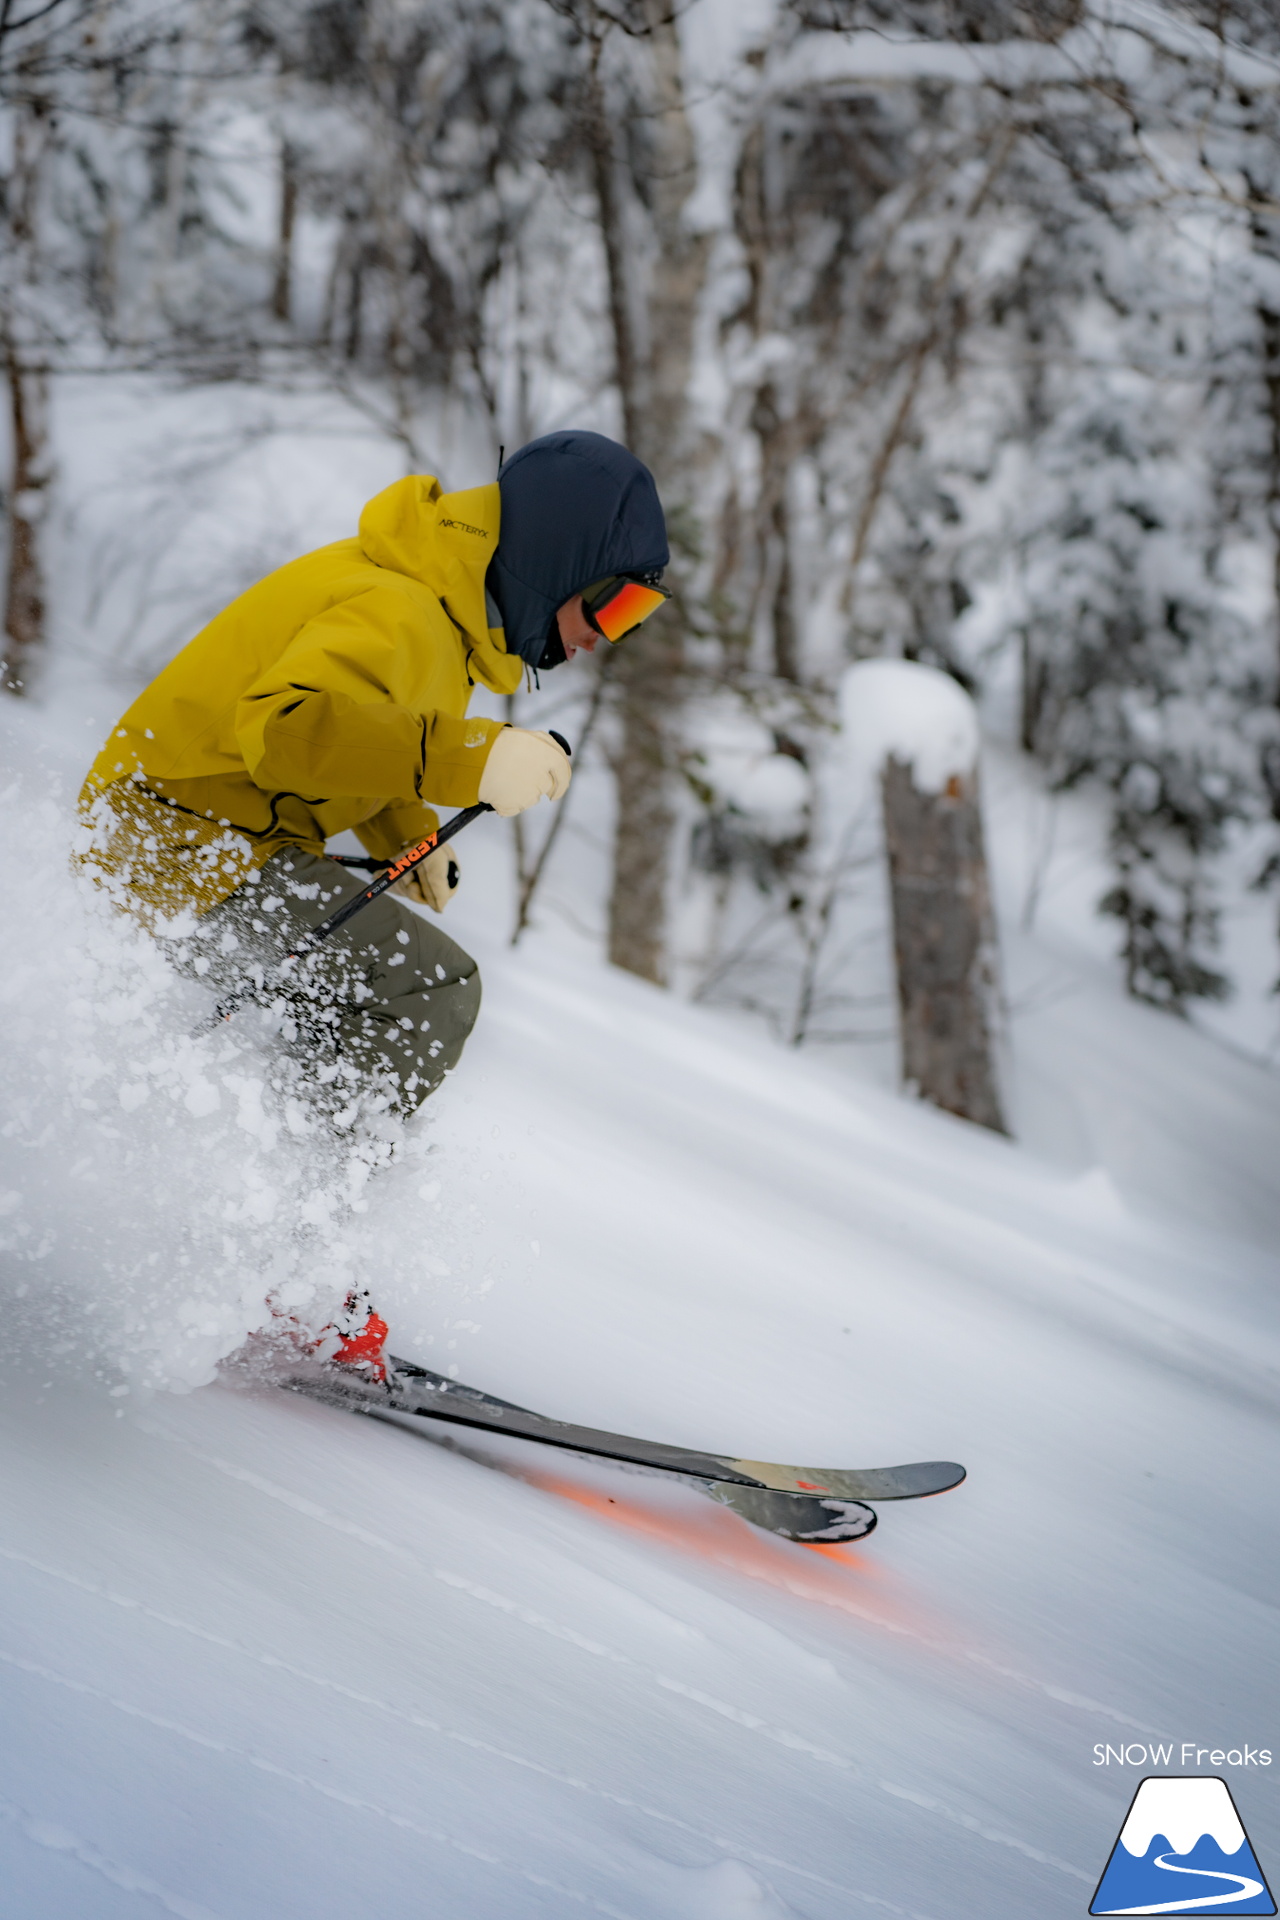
901	710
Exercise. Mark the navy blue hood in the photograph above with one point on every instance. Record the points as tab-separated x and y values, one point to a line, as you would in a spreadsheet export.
575	508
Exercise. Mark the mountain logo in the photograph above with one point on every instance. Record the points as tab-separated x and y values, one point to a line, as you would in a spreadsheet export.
1183	1850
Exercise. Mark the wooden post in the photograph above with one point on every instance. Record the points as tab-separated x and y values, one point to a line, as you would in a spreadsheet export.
944	942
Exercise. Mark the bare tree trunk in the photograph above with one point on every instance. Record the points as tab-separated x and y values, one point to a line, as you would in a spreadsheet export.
355	310
777	452
944	943
604	176
655	409
1269	319
28	403
282	290
1270	324
1034	699
786	644
646	819
24	588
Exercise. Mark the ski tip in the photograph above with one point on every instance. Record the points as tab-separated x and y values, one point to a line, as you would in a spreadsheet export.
921	1479
914	1481
925	1477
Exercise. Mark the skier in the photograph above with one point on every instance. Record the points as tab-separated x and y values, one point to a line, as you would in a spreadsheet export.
333	695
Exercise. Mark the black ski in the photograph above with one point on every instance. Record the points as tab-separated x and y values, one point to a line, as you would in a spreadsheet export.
802	1503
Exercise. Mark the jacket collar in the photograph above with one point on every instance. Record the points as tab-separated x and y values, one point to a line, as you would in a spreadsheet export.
446	541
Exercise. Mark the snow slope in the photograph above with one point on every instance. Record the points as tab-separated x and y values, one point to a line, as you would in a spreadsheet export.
265	1659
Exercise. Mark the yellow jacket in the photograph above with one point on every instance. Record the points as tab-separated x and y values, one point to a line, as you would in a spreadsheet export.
331	695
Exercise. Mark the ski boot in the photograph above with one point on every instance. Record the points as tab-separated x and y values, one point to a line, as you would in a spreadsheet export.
356	1337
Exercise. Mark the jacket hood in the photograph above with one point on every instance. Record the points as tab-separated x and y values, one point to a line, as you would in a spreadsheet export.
445	541
575	508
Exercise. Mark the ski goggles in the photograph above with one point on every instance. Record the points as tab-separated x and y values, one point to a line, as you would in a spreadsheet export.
617	606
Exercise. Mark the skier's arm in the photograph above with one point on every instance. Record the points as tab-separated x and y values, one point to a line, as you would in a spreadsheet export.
323	721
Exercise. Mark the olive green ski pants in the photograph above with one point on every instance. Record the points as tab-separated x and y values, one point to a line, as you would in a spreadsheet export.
384	1004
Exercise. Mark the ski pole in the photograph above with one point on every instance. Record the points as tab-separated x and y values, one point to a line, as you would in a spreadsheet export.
392	871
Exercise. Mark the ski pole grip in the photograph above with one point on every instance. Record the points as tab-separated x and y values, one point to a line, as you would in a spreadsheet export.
560	741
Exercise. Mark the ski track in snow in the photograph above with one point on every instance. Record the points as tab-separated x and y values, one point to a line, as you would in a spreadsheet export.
424	1724
809	1589
58	1840
263	1765
739	1716
755	1566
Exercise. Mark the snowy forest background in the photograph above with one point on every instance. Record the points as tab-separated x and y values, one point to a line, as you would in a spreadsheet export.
950	328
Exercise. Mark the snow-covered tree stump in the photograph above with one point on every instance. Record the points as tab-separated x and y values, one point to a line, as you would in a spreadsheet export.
917	729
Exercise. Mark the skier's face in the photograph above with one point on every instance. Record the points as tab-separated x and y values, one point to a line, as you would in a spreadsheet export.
577	635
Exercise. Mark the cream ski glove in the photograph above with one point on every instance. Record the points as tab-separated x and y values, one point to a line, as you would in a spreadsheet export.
521	768
433	882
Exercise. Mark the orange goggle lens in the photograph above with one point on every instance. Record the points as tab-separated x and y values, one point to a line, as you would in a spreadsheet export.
625	608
